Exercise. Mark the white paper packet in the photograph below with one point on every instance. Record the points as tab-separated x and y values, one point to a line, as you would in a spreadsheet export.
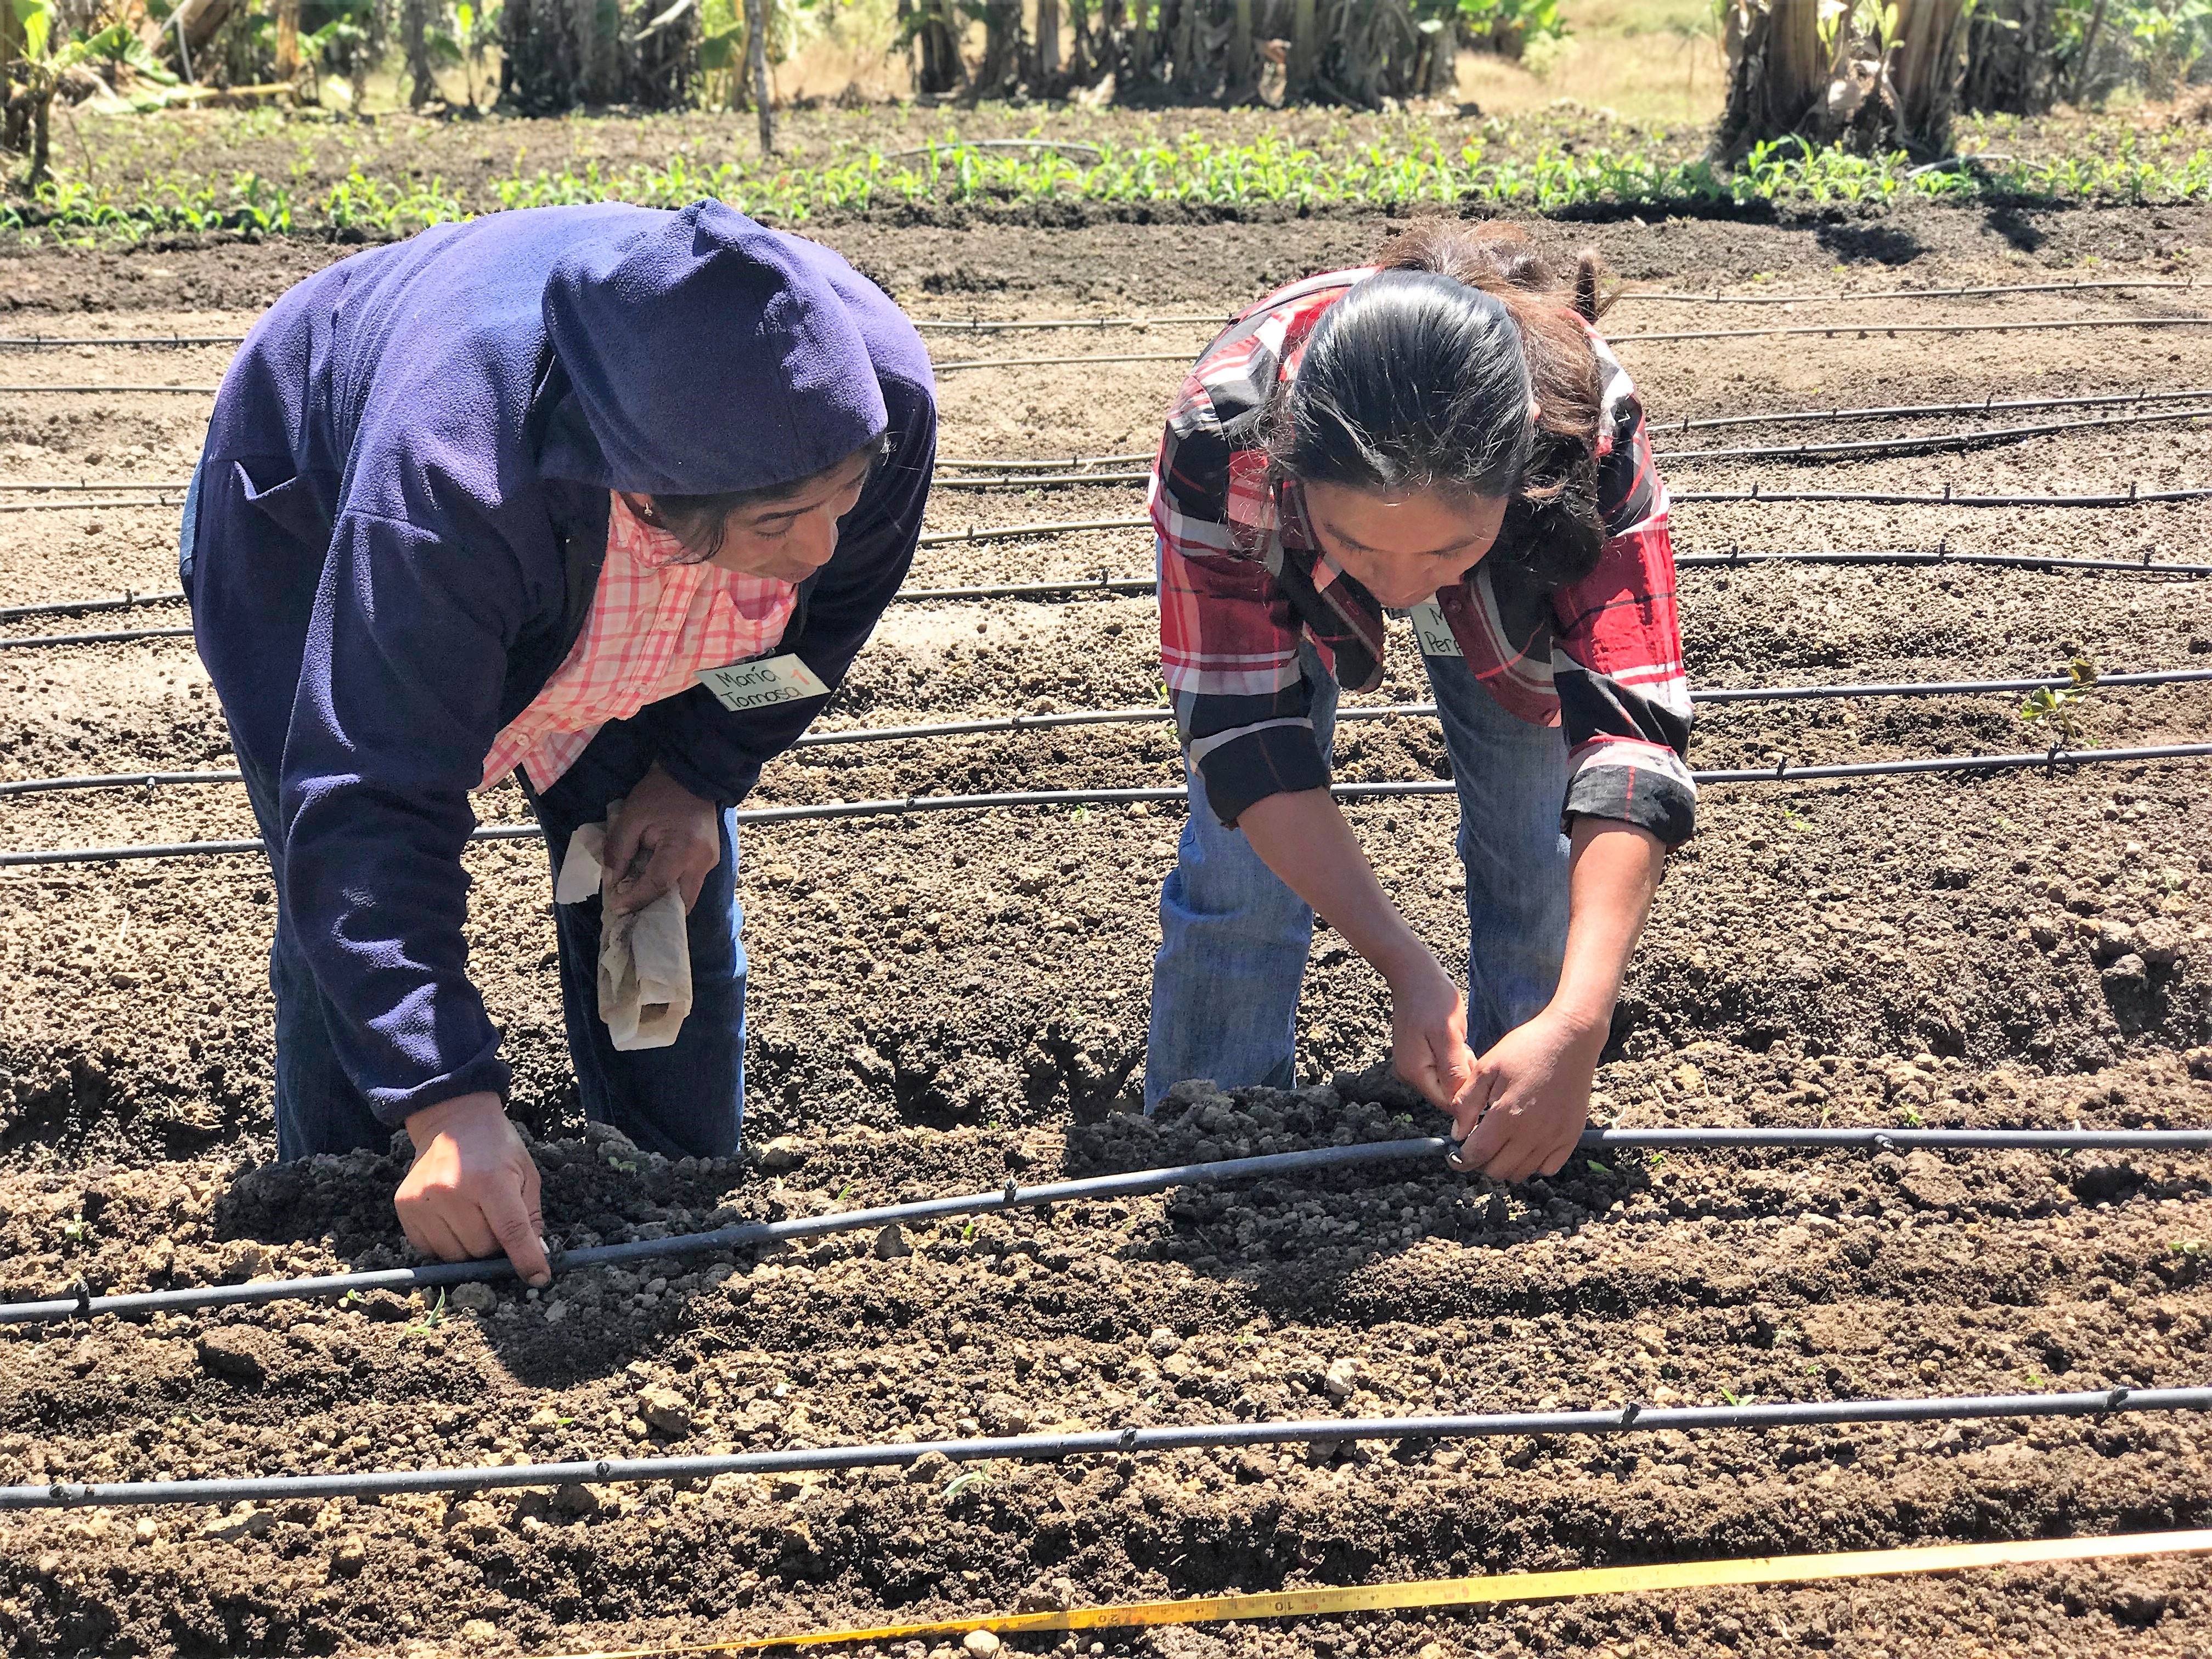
644	957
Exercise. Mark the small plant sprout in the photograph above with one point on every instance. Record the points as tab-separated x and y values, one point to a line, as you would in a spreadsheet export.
1912	1117
970	1479
430	1321
77	1231
2058	713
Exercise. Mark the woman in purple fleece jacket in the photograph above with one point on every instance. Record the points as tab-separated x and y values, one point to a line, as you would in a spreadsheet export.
483	491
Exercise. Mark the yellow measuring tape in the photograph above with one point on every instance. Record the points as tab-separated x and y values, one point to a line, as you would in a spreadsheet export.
1473	1592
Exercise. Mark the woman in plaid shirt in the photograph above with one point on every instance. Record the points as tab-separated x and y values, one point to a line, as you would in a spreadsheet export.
1444	432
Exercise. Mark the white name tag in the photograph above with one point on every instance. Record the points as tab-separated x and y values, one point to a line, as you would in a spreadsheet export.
1434	633
762	682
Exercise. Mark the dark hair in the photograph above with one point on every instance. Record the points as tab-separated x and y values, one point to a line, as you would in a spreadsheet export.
702	522
1420	379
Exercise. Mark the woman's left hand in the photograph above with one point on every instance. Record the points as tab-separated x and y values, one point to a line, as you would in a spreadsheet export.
1526	1106
665	836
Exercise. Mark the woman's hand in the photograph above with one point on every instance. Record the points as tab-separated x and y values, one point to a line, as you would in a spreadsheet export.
472	1189
1428	1032
1527	1102
665	836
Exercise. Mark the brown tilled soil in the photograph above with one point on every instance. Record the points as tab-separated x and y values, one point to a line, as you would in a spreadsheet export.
941	1000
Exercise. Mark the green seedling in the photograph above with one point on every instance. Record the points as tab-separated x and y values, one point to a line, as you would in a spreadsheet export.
967	1233
430	1321
1911	1118
627	1166
1734	1399
1598	1168
2059	713
2187	1247
2034	1379
845	1191
961	1483
77	1231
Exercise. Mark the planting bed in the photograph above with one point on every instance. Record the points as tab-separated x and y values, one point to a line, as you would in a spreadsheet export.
941	1001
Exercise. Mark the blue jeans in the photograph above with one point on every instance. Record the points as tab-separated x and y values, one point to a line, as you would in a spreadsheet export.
686	1098
1234	939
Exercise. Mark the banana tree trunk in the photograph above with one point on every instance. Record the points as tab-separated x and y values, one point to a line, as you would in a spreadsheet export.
1777	71
1048	43
1930	35
757	70
287	38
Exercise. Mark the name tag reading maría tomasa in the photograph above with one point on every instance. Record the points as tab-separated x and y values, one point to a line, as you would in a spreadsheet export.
1433	632
762	681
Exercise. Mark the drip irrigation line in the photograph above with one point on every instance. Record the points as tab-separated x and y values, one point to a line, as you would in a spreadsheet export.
1008	477
115	503
123	601
1033	590
1918	444
898	807
1133	458
986	325
1863	329
1101	583
84	486
1908	557
1033	480
46	342
2135	496
1029	532
107	390
1716	298
1989	405
1018	723
958	364
116	780
1632	1419
1319	1160
1917	556
116	636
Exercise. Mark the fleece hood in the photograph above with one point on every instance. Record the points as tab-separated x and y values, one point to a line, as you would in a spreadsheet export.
705	353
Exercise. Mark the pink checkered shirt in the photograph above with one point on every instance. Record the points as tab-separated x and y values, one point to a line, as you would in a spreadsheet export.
654	623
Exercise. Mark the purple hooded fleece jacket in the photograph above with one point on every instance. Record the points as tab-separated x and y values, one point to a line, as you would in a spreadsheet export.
399	525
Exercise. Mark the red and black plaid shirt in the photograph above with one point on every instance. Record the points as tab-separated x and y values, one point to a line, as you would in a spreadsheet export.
1242	582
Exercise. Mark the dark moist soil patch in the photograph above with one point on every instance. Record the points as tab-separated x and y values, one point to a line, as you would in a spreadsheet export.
941	1001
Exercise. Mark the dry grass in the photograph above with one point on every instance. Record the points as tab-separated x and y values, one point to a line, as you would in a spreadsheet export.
1655	62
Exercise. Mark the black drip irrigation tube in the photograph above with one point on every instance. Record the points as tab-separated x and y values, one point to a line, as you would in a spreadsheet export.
1718	298
1864	328
1915	557
898	807
2135	496
1921	443
1908	557
1631	1418
1018	723
1316	1160
1991	404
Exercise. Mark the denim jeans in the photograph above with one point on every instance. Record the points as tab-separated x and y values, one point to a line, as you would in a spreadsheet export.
686	1098
1234	939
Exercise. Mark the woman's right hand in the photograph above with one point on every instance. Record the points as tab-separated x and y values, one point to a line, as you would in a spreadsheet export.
472	1188
1428	1032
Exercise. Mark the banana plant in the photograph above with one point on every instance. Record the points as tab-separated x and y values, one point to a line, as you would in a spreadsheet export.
41	68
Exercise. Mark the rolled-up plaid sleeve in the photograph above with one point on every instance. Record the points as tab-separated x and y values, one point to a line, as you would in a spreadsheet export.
1617	658
1229	635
